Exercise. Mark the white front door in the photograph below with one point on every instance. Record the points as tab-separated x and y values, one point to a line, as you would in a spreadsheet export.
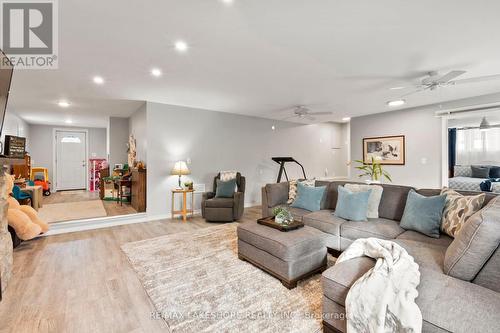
71	160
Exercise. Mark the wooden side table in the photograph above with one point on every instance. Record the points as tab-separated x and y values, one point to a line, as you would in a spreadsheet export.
184	212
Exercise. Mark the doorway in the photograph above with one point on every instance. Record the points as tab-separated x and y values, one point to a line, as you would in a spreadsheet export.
70	160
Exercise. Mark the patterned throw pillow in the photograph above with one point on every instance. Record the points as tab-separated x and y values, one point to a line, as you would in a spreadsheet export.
458	209
292	191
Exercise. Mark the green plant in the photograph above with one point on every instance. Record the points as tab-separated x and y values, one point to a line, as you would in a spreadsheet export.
282	215
374	170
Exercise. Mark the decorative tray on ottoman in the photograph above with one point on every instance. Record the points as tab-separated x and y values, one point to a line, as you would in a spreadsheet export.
270	222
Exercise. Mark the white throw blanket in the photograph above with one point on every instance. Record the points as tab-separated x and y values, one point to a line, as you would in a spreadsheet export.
383	299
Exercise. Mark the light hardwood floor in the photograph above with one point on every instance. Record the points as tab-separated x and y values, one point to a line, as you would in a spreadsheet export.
82	282
112	207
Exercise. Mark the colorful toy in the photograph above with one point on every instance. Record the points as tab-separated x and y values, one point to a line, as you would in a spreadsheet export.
24	219
43	180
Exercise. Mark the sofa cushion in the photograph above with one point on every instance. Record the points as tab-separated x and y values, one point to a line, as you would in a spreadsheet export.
309	197
277	194
338	279
351	205
425	255
219	203
393	201
475	244
475	308
423	214
458	209
489	276
325	221
380	228
287	246
443	240
373	201
292	188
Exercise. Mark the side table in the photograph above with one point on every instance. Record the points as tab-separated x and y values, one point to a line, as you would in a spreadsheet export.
184	212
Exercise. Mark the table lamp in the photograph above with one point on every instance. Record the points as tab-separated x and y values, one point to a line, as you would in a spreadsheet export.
180	169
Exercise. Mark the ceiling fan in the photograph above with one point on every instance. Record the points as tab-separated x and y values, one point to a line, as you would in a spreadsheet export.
303	112
434	80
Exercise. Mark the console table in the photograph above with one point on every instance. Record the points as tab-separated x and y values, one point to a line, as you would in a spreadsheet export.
184	211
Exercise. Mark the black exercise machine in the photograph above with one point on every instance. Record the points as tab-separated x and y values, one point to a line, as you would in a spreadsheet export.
281	161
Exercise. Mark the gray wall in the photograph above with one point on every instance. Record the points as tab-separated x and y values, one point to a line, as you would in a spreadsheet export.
41	144
215	141
423	144
118	139
137	127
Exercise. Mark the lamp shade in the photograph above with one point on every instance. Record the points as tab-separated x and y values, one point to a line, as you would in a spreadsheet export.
180	168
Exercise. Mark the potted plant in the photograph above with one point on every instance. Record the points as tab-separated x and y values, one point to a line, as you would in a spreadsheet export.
282	215
374	170
188	185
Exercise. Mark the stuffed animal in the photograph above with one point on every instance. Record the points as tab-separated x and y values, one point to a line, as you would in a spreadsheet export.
24	219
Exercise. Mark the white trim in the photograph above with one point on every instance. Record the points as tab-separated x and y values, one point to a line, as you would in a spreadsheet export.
444	152
468	110
95	223
111	221
54	154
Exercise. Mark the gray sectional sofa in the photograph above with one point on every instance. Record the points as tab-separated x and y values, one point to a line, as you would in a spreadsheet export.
460	278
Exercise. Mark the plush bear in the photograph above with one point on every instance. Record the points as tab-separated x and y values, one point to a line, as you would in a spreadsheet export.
24	219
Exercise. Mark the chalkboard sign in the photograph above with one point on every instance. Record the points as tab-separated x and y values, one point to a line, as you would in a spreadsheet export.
15	146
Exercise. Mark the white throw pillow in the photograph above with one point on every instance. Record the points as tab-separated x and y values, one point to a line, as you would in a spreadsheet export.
292	191
373	201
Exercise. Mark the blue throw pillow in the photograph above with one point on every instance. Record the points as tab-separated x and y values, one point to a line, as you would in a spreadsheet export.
352	206
495	172
309	197
225	189
423	214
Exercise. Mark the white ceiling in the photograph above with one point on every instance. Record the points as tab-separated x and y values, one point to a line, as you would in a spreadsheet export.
258	56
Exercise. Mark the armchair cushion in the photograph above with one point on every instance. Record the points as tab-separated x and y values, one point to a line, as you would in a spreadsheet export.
225	189
219	203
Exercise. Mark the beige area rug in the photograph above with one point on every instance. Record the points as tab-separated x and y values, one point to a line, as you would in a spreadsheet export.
197	284
66	211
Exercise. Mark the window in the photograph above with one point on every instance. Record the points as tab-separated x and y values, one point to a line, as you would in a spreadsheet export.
478	147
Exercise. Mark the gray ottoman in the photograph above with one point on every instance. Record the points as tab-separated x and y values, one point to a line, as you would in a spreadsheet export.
289	256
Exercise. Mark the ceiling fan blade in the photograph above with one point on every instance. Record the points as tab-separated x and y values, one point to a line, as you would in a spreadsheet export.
422	88
450	76
478	79
321	113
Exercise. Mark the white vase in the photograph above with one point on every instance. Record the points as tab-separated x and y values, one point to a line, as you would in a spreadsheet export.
369	181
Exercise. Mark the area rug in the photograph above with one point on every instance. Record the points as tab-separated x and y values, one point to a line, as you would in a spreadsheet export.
197	284
66	211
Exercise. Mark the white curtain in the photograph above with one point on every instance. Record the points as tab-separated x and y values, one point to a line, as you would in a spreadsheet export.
478	147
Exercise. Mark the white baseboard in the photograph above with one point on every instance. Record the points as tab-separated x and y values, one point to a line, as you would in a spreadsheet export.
111	221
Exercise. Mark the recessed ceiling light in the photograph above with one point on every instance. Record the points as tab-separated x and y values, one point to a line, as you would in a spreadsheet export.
397	102
63	104
98	80
156	72
396	88
68	121
346	118
227	2
181	46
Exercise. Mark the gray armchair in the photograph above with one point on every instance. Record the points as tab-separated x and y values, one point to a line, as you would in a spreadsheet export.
224	209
